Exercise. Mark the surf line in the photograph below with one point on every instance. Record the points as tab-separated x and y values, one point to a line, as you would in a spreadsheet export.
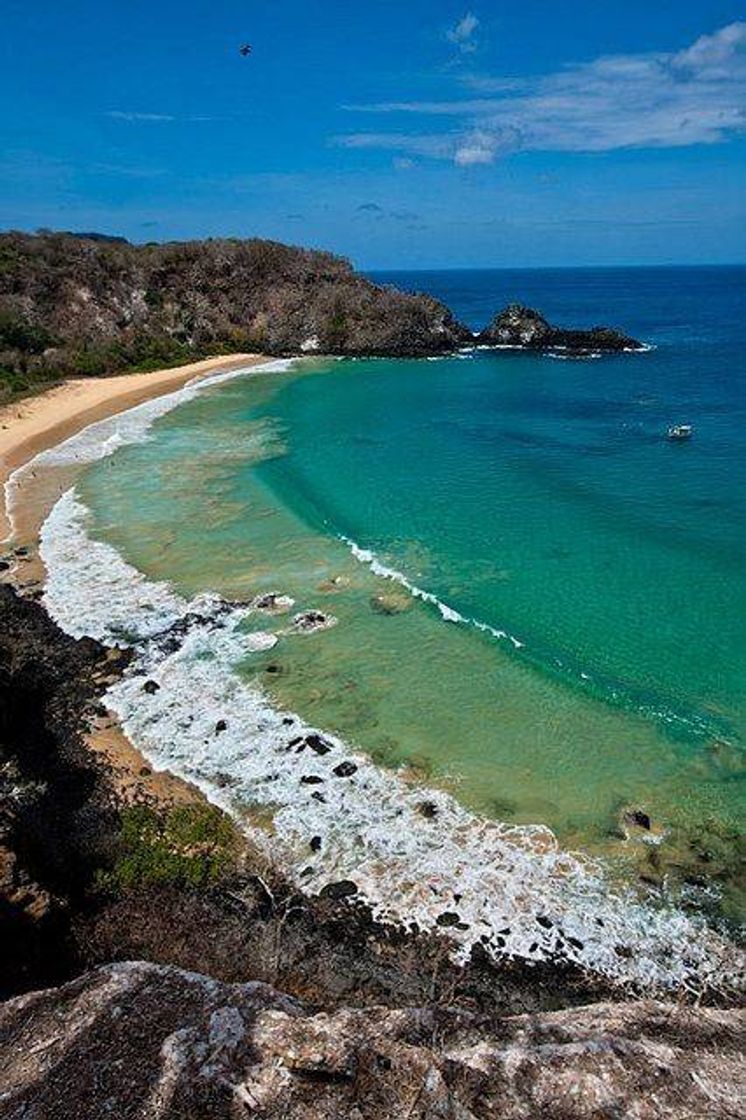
601	688
449	614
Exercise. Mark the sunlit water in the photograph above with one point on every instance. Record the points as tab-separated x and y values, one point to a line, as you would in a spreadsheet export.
585	653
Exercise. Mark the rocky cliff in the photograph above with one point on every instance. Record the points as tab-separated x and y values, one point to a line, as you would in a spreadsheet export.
139	1040
87	305
57	817
77	305
527	329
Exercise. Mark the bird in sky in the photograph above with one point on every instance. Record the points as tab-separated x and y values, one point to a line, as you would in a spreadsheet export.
244	50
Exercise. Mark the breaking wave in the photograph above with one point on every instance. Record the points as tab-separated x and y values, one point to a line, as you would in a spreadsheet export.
415	855
449	614
689	722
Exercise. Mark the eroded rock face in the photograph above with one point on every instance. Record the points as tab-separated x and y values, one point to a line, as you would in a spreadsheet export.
527	329
140	1040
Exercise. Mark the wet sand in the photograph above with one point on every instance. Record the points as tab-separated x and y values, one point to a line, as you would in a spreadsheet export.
33	425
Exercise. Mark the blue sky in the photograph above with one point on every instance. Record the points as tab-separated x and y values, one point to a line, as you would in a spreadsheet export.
413	135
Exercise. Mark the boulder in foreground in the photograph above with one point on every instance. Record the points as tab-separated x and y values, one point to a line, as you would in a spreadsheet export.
526	329
141	1040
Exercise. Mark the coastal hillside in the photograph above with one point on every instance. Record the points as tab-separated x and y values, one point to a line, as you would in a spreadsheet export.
85	305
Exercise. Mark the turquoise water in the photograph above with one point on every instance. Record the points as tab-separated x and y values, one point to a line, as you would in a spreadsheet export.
535	498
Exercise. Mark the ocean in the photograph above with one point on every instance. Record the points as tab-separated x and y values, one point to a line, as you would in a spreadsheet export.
534	663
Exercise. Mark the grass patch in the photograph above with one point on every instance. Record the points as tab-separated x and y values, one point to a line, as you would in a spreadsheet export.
189	845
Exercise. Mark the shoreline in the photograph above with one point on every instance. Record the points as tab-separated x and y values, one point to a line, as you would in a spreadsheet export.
420	857
39	423
132	766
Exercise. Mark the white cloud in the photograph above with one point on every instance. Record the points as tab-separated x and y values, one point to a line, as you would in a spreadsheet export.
466	149
484	146
463	34
711	55
652	100
437	147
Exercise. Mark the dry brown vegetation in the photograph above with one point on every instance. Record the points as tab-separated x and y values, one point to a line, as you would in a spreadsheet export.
86	306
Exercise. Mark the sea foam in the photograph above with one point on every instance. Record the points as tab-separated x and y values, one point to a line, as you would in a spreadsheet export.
418	857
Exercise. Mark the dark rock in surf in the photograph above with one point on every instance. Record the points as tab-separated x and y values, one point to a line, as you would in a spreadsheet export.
315	742
345	769
526	329
345	888
427	809
448	919
272	603
308	622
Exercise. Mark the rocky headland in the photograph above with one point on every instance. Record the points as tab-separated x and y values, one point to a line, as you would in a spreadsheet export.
77	305
523	328
87	305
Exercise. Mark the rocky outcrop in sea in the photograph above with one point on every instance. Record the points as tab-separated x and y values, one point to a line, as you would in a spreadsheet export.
79	305
523	328
141	1040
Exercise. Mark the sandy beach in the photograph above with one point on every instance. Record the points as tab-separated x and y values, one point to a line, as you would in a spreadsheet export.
33	425
30	426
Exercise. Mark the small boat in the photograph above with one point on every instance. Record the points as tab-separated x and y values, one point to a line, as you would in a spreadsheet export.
680	431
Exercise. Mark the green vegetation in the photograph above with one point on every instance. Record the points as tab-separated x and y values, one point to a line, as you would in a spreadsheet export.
18	334
188	846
